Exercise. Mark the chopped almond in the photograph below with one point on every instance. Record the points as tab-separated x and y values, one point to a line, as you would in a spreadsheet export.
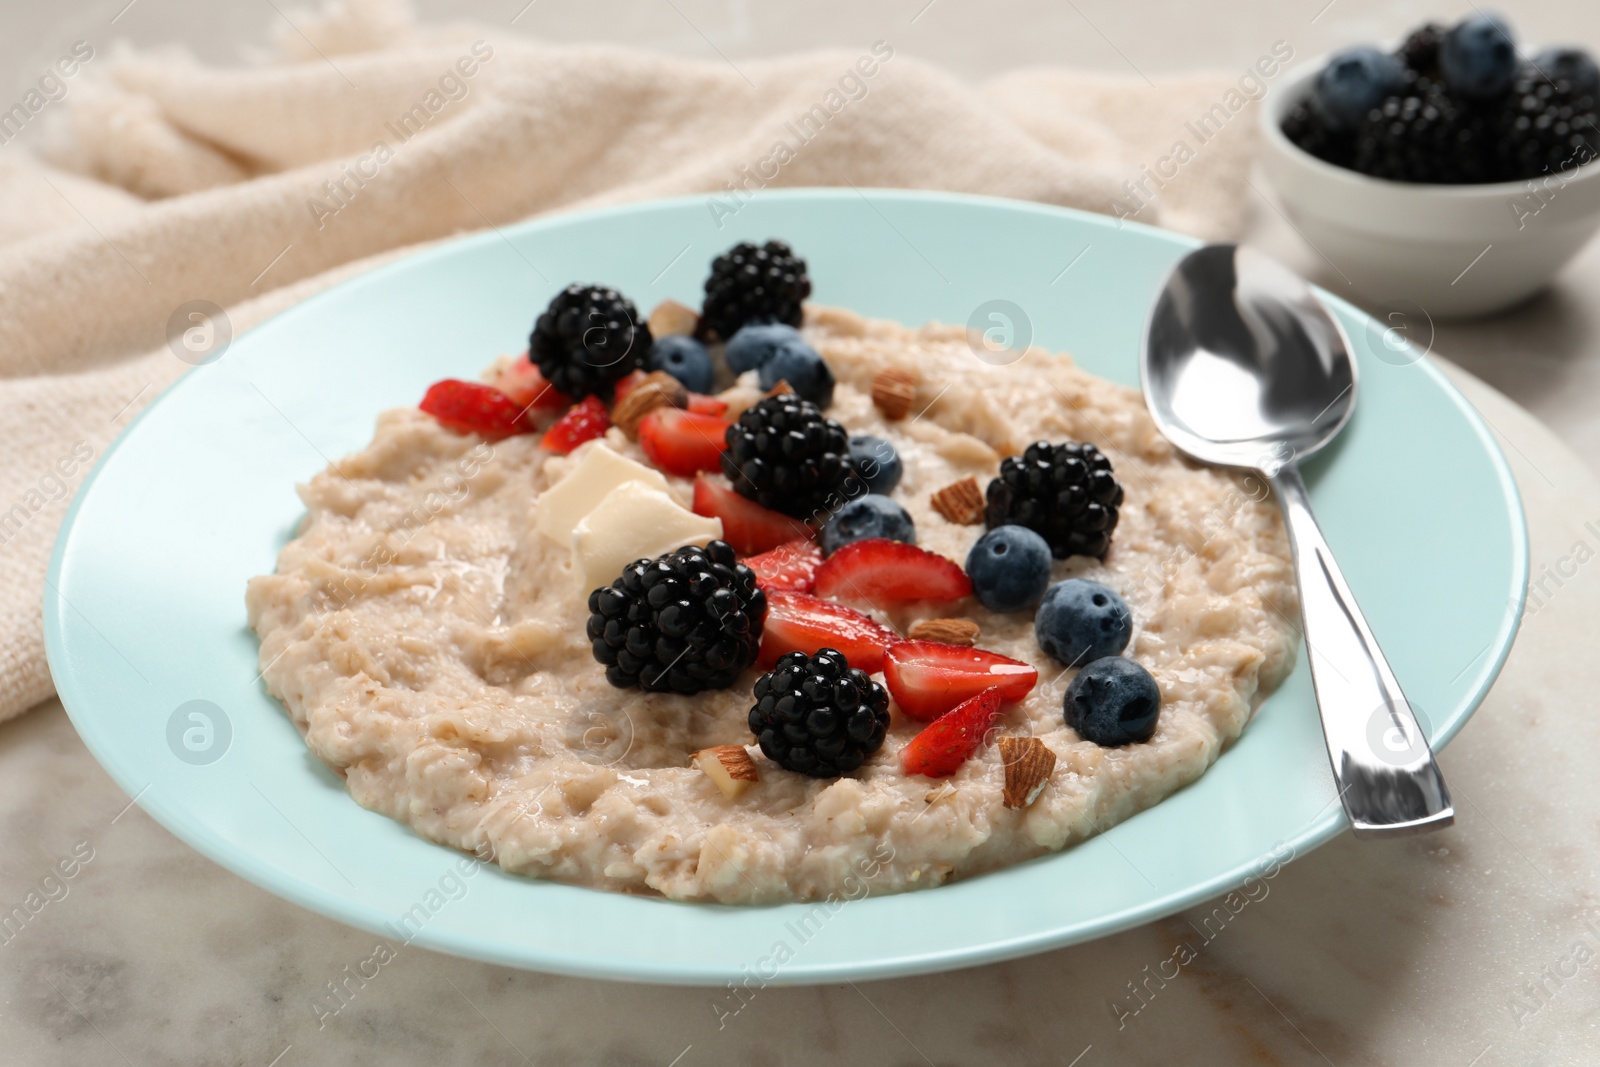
945	631
730	767
658	389
1029	763
894	390
783	388
670	318
960	502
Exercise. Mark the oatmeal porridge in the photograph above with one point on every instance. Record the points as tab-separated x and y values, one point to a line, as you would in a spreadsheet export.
454	632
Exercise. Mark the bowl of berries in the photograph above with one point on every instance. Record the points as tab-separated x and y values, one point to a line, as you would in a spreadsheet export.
1455	173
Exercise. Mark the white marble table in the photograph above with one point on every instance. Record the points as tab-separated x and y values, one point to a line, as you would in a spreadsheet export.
1447	949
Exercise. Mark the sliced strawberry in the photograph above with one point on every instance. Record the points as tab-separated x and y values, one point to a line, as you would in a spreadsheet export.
881	571
792	566
523	383
746	525
702	404
951	739
472	407
584	421
683	442
927	678
798	622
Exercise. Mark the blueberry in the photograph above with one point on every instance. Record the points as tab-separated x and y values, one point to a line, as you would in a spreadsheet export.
685	359
1571	65
867	516
1080	621
756	343
877	462
1113	701
807	373
1478	57
1353	83
1009	567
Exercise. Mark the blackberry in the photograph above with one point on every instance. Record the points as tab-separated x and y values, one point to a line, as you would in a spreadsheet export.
817	715
1065	493
1548	125
1570	68
754	284
1420	52
1307	131
680	623
786	455
588	338
1426	133
1462	111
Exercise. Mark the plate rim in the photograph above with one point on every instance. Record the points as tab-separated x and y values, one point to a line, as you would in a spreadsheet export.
174	816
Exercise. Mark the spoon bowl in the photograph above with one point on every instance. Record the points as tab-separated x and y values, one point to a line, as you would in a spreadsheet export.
1253	378
1243	367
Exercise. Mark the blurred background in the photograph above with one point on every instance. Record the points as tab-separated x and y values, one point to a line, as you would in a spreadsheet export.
969	38
1550	336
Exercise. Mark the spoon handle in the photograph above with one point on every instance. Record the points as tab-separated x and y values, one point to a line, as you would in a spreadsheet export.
1387	777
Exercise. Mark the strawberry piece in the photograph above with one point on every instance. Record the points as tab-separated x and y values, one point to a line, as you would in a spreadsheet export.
746	525
702	404
683	442
951	739
522	382
881	571
792	566
472	407
798	622
927	678
584	421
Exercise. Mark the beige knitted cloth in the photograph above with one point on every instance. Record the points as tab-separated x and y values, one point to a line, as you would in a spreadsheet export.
141	182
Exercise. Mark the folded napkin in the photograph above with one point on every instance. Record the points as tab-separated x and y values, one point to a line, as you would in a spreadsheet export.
135	184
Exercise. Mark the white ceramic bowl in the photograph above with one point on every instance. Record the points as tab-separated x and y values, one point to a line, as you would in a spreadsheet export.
1455	250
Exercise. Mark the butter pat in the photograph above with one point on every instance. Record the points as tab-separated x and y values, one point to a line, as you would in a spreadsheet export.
597	472
634	521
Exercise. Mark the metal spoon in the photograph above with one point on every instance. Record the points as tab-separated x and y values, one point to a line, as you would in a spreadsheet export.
1244	367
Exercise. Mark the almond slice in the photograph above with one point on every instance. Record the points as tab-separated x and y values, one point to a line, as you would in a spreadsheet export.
658	389
730	767
893	390
1029	763
783	388
945	631
671	317
960	502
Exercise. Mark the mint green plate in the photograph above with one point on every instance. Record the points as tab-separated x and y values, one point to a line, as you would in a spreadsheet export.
144	612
